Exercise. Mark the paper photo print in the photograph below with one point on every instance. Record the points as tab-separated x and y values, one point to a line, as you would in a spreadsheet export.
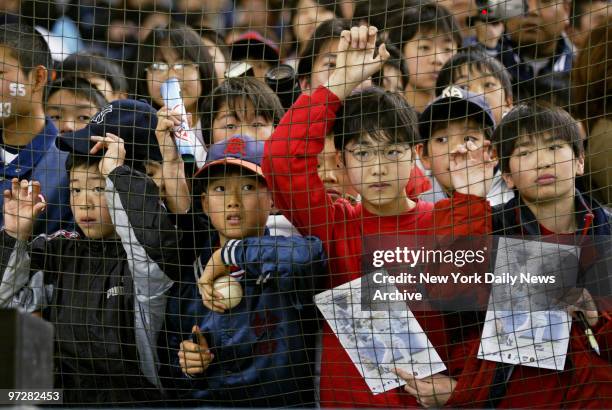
378	341
523	325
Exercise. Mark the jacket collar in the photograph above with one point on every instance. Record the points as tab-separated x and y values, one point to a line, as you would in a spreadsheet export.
31	154
590	219
560	62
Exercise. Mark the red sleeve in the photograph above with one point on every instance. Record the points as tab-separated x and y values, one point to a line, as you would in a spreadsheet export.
462	215
418	183
290	162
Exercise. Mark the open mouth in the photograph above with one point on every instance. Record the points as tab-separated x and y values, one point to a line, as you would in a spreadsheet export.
233	219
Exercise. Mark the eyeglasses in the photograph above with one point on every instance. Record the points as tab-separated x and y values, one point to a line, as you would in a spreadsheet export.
393	152
165	67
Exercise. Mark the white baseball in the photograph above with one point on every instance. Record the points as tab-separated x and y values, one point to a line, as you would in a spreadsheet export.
231	290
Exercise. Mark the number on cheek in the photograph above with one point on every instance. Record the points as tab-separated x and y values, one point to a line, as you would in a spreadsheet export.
17	89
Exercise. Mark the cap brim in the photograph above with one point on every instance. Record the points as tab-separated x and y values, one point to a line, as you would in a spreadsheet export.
460	108
256	169
76	142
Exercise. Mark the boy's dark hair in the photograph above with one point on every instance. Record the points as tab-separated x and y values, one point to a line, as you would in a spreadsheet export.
26	45
379	13
381	114
80	87
232	90
215	37
474	59
77	160
425	17
189	47
395	60
84	64
328	30
439	125
534	120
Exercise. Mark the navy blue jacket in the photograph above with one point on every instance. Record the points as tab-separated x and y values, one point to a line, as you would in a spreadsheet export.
263	347
42	161
593	235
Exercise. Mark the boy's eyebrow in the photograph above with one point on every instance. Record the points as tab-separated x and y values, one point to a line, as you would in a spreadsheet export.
329	55
61	106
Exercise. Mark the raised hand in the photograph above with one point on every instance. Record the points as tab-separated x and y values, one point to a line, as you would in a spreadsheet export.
22	205
167	121
214	269
195	358
356	62
114	155
472	168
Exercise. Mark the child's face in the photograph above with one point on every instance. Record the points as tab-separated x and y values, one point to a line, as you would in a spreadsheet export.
392	79
105	87
240	119
543	168
69	111
238	205
218	59
488	86
155	172
379	171
169	64
332	172
308	16
88	202
323	65
15	87
444	141
426	54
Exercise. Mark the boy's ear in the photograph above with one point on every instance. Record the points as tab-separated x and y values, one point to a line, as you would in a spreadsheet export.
38	77
580	165
508	180
304	84
419	150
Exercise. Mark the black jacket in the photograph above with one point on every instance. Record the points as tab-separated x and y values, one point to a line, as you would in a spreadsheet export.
106	298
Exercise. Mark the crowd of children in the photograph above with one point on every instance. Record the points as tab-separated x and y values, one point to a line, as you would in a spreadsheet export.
406	120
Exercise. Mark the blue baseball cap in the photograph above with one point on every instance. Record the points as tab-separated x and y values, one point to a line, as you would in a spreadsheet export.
455	103
131	120
240	150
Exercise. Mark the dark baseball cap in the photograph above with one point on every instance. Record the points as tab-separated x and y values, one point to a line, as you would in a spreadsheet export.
455	103
255	46
238	150
131	120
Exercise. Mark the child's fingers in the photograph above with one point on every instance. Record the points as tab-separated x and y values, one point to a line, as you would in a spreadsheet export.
7	195
23	189
383	53
354	37
363	37
15	188
371	39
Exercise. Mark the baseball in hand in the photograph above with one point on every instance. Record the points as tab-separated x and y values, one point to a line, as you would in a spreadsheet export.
231	290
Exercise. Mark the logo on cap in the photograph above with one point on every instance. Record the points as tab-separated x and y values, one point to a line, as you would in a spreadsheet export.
99	117
235	146
452	92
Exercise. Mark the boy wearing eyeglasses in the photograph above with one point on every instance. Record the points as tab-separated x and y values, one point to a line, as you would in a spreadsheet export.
375	134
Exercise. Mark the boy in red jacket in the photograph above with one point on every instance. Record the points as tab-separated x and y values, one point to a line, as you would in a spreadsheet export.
375	139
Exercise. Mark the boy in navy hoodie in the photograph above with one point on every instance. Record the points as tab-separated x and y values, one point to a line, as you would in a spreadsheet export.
258	353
